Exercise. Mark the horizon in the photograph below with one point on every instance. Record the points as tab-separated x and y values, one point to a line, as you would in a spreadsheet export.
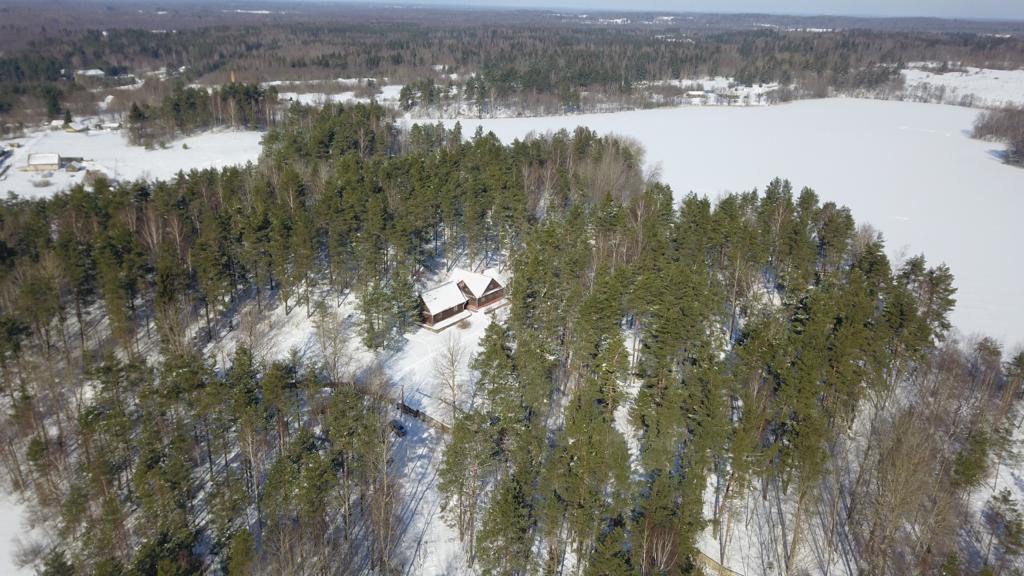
982	10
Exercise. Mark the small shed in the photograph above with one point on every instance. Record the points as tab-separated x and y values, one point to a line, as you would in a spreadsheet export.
480	290
441	303
47	162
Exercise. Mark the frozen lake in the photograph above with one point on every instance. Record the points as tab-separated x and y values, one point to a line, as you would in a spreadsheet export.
910	170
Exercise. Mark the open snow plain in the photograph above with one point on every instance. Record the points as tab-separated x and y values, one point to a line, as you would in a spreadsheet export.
910	170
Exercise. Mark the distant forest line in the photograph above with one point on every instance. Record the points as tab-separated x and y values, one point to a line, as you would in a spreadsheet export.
529	57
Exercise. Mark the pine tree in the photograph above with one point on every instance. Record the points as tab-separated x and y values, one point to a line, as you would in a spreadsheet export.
210	261
241	554
57	564
280	249
503	544
465	470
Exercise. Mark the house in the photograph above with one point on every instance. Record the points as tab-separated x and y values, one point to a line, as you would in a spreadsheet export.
466	292
442	303
480	290
43	162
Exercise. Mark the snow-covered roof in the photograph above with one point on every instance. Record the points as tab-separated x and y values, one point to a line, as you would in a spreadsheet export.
47	158
476	283
95	72
445	296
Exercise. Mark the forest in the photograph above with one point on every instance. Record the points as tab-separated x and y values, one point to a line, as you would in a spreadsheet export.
188	110
1004	125
766	347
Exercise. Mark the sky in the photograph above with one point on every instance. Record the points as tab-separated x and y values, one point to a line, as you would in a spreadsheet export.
973	9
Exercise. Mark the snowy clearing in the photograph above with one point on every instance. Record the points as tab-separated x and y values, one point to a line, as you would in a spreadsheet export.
910	170
428	544
969	86
388	96
110	153
718	91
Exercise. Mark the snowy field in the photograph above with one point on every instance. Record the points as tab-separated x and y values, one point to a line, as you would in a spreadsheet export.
109	152
970	86
388	96
910	170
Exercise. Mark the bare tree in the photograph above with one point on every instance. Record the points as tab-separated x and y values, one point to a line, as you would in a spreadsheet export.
331	337
446	369
254	334
383	489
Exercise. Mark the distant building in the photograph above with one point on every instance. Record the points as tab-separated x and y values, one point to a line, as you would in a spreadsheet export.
90	73
43	162
48	162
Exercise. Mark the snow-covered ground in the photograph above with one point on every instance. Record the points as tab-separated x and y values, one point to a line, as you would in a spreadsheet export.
110	152
969	86
910	170
12	529
719	91
388	96
1006	473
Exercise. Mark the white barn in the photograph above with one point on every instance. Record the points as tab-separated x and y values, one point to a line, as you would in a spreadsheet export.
46	162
